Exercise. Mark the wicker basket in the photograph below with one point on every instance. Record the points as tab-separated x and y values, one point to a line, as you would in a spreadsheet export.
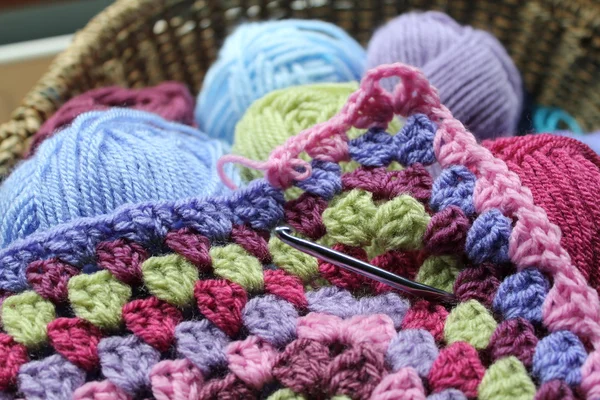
555	44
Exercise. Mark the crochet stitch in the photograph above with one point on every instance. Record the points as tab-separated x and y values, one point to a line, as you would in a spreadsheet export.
214	306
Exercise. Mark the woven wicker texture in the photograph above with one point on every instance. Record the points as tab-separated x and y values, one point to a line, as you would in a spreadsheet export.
135	43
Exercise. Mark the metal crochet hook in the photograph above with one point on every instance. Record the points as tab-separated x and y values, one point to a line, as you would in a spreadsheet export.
345	261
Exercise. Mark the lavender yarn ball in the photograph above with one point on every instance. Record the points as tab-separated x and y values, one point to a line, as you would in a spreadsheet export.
476	78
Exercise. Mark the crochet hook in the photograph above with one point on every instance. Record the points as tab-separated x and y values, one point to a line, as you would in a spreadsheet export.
355	265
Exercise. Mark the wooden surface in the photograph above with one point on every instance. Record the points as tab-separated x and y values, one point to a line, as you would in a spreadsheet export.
17	79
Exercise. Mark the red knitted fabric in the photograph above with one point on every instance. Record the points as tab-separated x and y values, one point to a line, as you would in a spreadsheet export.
170	100
342	277
222	303
563	175
152	320
13	356
76	340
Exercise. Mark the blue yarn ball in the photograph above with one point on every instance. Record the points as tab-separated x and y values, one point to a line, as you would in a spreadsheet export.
264	56
522	295
103	160
487	239
559	355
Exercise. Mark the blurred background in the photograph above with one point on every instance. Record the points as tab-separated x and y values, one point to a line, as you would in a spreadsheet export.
32	32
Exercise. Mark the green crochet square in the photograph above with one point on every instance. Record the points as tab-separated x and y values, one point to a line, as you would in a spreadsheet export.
234	263
293	261
25	316
98	298
170	278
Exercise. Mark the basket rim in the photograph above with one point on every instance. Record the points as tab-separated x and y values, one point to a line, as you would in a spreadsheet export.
53	88
28	116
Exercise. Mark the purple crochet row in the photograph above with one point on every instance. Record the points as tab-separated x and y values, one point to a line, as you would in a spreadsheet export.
260	205
127	360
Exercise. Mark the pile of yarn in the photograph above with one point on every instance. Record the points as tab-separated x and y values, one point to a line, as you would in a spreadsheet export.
128	268
106	159
487	96
195	299
476	78
261	57
170	100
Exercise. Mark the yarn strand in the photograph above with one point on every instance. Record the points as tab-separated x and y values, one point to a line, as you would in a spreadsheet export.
534	241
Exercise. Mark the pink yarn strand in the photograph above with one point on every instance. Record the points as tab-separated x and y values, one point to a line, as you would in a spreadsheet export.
535	240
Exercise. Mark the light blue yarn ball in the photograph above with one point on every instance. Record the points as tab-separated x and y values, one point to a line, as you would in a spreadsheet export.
264	56
106	159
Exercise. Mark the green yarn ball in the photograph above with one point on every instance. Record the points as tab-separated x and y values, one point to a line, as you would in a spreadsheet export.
283	113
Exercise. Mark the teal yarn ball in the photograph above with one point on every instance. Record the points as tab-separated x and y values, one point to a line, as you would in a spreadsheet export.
103	160
258	58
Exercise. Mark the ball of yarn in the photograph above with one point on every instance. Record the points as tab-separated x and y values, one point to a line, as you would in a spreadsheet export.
592	139
564	178
103	160
272	119
261	57
170	100
476	78
552	119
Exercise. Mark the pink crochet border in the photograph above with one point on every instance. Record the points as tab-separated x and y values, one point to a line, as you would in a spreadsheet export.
535	242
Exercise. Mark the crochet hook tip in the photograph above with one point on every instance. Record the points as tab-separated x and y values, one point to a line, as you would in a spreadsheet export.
285	234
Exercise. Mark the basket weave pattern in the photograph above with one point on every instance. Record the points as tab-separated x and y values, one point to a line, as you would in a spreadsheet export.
135	43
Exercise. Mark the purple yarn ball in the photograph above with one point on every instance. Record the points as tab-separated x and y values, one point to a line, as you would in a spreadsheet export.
472	71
